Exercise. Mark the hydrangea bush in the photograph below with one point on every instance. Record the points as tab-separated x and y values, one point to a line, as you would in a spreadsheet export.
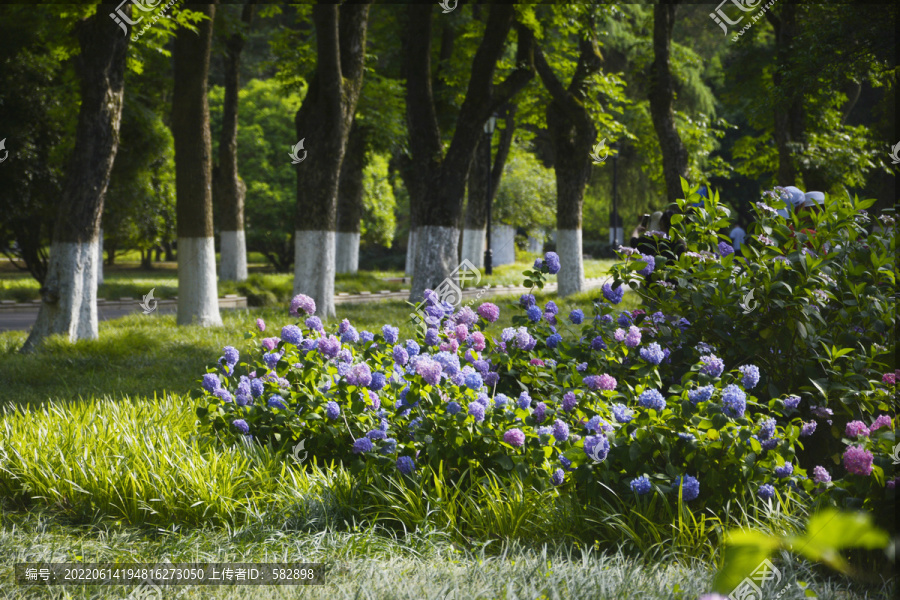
582	405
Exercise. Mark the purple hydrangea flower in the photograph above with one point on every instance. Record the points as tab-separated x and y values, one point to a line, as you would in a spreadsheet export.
476	409
640	485
376	434
304	303
569	402
514	437
784	471
770	444
658	318
406	465
690	489
598	424
539	410
277	401
224	394
767	429
624	319
360	375
750	376
291	334
329	346
881	421
453	407
619	335
807	429
581	367
400	355
526	300
792	402
256	387
652	353
725	249
211	382
734	401
633	337
576	316
858	460
560	430
390	334
766	492
230	355
378	381
701	395
614	296
430	370
261	325
314	324
361	445
622	413
241	425
598	344
491	379
552	260
855	429
651	265
652	399
551	308
558	477
432	337
821	475
712	365
489	312
332	410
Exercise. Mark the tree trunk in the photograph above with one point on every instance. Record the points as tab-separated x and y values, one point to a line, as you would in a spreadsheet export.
788	103
478	205
324	119
350	202
100	258
197	294
572	136
414	190
69	294
229	188
662	96
444	177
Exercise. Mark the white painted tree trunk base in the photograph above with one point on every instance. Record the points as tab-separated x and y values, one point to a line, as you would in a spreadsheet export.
473	244
436	257
536	242
100	259
314	268
198	297
346	252
411	253
503	245
234	256
72	282
571	273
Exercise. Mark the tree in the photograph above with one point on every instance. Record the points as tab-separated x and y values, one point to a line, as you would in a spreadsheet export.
479	202
442	178
198	300
350	201
69	294
572	134
228	188
324	119
662	96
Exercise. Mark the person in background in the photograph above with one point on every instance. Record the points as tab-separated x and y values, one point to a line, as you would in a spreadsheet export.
737	236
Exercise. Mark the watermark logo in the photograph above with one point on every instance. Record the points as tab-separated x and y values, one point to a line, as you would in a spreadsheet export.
146	591
295	160
600	147
450	291
161	13
748	304
896	454
146	303
595	453
5	151
121	18
445	4
895	153
721	18
295	451
751	587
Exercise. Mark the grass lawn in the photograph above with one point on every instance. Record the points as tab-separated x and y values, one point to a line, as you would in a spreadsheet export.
101	460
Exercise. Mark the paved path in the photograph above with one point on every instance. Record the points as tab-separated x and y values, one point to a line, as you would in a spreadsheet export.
21	317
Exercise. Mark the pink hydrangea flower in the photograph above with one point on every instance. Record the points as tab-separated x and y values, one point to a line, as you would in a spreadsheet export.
889	378
858	460
270	343
607	382
478	341
633	338
881	421
855	429
462	332
261	324
537	362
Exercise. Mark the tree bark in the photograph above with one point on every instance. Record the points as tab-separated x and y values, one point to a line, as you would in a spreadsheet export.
444	177
662	96
197	293
228	187
572	135
69	294
325	119
350	202
479	203
788	105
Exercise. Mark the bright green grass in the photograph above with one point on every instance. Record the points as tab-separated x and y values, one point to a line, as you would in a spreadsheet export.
126	280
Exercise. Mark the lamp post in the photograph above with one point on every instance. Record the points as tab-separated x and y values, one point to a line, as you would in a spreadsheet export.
488	256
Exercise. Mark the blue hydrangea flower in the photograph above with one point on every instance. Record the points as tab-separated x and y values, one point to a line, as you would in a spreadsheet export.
622	413
766	492
598	424
690	489
211	382
351	335
807	429
230	355
558	477
491	379
651	265
291	334
560	430
734	401
651	398
277	401
658	318
332	410
241	425
641	485
376	434
750	376
614	296
476	409
406	465
533	313
712	365
565	462
598	344
701	395
388	446
432	337
725	249
314	323
449	362
766	429
224	394
784	471
412	348
539	409
792	402
554	340
500	400
401	357
367	336
581	367
624	319
526	300
378	381
606	318
576	316
551	308
256	387
686	437
524	401
361	445
391	334
770	444
474	381
652	353
552	260
596	447
453	407
569	402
